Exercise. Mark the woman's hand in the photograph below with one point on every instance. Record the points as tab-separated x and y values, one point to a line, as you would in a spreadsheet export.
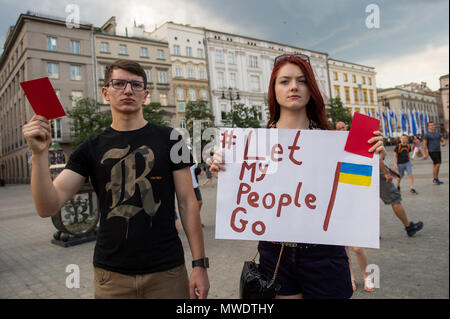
378	147
218	163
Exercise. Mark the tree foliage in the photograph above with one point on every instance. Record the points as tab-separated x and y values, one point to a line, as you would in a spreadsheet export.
242	116
337	112
154	113
86	119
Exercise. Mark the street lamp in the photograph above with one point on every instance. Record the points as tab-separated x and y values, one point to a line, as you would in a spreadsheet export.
231	98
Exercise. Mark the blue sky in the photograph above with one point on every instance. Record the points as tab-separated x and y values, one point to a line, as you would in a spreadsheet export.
411	43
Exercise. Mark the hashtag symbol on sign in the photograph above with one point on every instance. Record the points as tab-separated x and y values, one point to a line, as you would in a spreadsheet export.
228	139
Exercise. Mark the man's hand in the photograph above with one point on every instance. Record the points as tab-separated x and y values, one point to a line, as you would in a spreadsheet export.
388	177
37	134
198	283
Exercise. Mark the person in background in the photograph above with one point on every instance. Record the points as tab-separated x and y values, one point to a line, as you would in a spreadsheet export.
402	162
432	142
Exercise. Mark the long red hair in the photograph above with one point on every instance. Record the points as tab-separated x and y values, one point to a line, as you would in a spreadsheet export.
315	109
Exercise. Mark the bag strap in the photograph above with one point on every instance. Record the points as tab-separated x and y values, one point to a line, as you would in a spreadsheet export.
276	267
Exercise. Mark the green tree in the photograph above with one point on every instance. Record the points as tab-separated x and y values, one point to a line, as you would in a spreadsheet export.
242	116
86	119
154	113
198	111
337	112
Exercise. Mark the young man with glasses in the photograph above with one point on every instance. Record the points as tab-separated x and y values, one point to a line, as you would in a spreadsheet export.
135	174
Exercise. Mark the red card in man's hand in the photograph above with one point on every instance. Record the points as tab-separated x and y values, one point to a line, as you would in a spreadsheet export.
361	131
42	98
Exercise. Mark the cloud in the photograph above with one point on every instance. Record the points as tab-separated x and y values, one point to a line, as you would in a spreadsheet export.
426	66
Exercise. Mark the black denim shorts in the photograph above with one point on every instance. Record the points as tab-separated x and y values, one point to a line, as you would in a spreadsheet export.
316	271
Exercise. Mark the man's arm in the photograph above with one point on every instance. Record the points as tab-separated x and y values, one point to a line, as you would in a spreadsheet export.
190	219
49	196
395	159
425	148
386	172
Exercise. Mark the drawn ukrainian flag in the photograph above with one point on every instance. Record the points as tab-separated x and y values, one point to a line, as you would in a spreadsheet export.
355	174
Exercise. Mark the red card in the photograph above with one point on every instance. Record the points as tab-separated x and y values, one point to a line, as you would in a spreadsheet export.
361	131
43	99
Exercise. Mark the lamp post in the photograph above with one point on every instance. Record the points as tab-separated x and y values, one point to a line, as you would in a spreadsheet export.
231	98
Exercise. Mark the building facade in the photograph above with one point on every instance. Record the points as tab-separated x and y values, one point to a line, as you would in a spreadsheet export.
189	65
152	55
408	98
443	90
38	46
240	67
354	84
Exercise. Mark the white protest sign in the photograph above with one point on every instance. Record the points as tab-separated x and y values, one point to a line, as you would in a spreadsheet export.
296	186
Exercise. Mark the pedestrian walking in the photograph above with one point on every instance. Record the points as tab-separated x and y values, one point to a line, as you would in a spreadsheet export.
209	176
305	270
432	142
138	253
390	195
402	162
417	147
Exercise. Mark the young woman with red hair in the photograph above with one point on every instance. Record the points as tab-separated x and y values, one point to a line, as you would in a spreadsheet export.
305	270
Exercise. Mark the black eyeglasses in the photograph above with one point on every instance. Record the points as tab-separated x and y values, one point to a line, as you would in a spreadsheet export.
285	57
119	84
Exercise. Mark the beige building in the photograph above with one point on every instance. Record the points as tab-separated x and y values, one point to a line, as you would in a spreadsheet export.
152	55
409	97
354	84
189	66
443	90
38	46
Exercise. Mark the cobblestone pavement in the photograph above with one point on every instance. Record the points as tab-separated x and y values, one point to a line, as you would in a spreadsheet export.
416	267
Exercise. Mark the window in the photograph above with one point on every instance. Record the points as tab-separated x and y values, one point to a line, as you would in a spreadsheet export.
371	95
219	57
233	80
220	78
176	49
51	44
75	72
370	80
345	77
180	94
363	80
231	59
253	61
335	76
144	52
55	126
74	47
202	75
188	51
347	94
53	70
190	73
76	95
183	123
203	95
199	53
178	72
192	95
148	75
254	83
160	54
162	77
163	99
104	47
366	101
337	91
122	49
102	71
354	78
355	95
223	111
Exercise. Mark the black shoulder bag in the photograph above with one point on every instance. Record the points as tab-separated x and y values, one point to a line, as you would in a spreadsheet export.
254	284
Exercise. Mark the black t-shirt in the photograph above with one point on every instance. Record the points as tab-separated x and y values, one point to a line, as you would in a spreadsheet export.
131	172
402	151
